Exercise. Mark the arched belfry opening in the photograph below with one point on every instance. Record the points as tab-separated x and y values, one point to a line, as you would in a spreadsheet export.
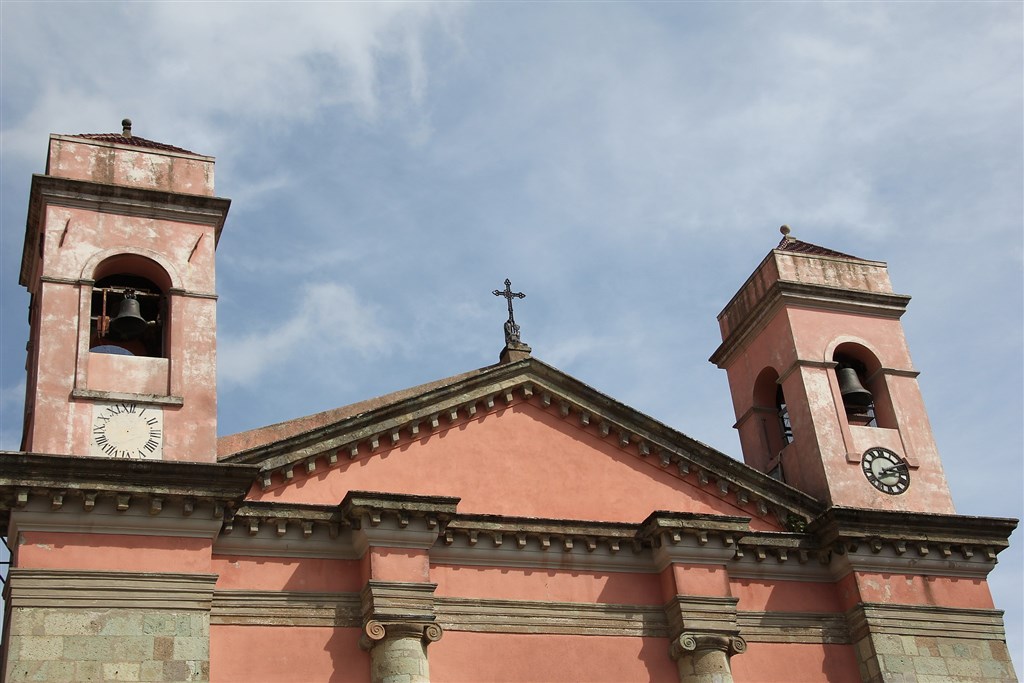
863	391
128	310
769	402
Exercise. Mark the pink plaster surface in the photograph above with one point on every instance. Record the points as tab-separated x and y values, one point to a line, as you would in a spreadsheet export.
399	564
140	375
287	654
522	461
509	583
107	162
758	595
904	589
113	552
705	580
239	572
462	657
796	663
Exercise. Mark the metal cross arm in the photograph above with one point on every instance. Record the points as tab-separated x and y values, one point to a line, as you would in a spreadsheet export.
511	329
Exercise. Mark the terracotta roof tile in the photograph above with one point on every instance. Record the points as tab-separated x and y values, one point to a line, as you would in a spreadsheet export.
131	140
792	244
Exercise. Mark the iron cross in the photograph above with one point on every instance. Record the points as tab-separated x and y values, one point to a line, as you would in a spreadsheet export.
511	329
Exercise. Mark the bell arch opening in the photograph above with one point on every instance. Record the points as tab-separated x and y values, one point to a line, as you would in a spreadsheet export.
770	402
864	393
128	308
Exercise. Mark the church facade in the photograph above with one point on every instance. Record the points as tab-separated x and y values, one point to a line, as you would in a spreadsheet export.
507	524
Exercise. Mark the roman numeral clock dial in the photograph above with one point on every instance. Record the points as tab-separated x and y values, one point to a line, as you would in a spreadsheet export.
127	430
887	472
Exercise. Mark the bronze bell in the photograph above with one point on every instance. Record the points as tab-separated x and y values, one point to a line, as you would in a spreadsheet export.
853	392
129	323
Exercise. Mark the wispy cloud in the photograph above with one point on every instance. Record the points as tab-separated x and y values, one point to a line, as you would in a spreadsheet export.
329	324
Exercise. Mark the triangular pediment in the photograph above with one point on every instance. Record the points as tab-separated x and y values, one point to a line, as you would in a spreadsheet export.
521	439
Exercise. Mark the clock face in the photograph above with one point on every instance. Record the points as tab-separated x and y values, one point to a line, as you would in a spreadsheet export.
887	472
127	430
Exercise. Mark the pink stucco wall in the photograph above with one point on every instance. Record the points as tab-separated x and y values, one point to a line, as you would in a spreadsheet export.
521	461
287	654
511	583
796	663
462	657
112	552
240	572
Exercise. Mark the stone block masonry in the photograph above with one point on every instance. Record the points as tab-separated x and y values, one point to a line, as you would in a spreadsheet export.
111	644
931	659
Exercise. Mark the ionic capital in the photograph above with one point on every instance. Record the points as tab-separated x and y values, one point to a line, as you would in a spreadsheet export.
690	643
375	631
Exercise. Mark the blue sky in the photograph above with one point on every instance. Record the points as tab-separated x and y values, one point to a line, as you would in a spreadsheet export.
626	165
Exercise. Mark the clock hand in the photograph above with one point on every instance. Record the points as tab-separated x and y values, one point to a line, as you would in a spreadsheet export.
900	466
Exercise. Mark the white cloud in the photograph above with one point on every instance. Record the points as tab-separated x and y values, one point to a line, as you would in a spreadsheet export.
330	323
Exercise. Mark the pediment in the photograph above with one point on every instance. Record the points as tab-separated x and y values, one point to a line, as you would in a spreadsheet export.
520	439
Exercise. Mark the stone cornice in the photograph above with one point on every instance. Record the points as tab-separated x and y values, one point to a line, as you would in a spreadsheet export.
499	387
834	544
33	481
108	198
783	293
910	542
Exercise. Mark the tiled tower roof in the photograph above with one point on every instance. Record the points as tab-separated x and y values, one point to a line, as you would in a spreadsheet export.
125	137
792	244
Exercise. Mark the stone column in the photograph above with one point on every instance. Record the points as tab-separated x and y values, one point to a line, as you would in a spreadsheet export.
398	651
704	657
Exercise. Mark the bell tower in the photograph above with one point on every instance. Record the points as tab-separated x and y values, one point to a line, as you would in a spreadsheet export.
825	393
119	262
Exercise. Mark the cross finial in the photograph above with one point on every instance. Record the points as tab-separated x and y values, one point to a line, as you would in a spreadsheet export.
511	329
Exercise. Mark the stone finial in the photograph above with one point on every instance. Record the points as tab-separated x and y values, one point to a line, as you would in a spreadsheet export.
785	231
126	127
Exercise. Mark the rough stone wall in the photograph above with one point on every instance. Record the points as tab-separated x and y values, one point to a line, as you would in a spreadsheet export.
80	645
891	658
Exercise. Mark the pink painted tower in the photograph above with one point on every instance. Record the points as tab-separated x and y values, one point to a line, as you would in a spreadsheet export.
825	394
119	260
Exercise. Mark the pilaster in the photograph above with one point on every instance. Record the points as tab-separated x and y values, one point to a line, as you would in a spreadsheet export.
394	534
692	552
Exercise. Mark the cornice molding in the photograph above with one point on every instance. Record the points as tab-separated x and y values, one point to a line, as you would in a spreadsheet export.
107	198
487	615
65	589
823	297
286	608
118	396
870	619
